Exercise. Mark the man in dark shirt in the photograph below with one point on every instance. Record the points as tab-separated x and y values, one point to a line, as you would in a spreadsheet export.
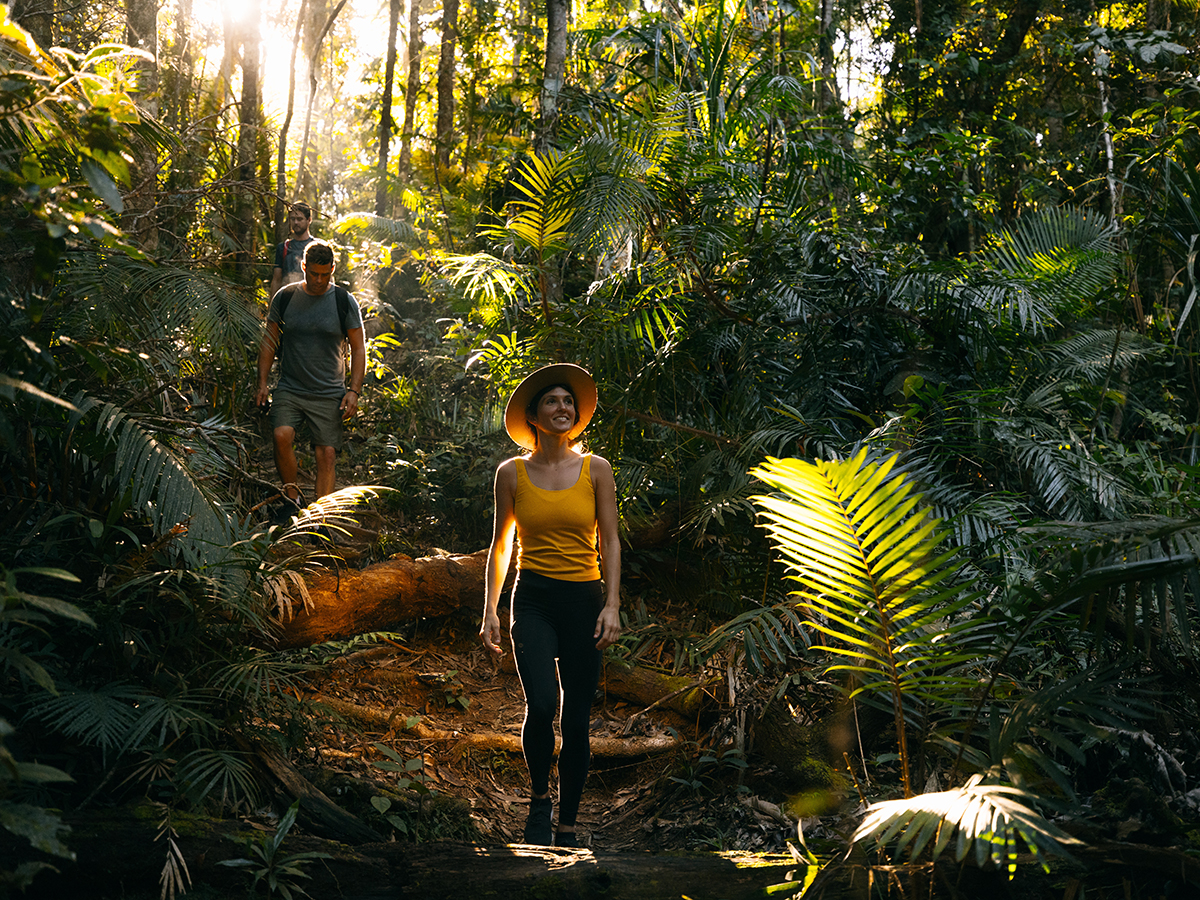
311	322
290	253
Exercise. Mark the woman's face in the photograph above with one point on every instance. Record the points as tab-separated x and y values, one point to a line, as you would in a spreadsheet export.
556	413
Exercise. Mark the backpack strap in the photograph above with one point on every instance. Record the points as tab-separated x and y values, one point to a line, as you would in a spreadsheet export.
341	296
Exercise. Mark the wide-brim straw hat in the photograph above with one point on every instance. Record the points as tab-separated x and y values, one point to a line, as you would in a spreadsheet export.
578	379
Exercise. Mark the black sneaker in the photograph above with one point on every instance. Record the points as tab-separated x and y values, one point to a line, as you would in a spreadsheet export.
287	509
537	827
566	839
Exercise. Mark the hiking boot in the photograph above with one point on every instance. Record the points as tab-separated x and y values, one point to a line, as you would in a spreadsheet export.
566	839
287	510
538	829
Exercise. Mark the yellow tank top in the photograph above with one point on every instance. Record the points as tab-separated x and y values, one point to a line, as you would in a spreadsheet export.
556	530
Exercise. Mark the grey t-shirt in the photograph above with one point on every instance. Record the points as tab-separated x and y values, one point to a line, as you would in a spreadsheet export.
310	359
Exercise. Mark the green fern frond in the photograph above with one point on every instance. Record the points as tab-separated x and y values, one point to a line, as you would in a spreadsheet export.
162	488
872	577
986	818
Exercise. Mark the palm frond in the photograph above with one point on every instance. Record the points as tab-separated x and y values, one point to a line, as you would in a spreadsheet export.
163	489
1094	353
986	818
259	675
378	228
1062	254
872	577
221	777
163	719
104	717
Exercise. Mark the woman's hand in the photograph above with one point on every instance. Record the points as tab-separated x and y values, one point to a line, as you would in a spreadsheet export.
489	633
608	627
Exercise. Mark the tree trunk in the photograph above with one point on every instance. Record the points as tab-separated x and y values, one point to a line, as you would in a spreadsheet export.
393	721
555	69
313	62
385	114
139	220
251	39
445	83
281	204
36	17
413	52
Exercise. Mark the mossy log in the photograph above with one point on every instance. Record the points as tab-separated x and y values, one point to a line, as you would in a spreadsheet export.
118	857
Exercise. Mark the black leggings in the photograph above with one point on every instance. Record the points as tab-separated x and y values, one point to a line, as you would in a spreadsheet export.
553	619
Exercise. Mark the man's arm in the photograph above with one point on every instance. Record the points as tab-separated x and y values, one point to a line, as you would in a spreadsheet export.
266	356
358	370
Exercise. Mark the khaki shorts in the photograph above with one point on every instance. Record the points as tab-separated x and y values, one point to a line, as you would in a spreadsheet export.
322	415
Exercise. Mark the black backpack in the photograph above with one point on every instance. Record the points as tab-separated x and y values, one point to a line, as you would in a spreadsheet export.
340	296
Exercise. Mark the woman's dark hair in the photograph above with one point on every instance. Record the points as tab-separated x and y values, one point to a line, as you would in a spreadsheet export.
532	408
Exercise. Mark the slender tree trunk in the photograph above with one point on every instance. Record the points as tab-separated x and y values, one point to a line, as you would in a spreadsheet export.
176	115
445	83
553	73
413	52
313	61
281	205
247	140
385	113
828	94
141	31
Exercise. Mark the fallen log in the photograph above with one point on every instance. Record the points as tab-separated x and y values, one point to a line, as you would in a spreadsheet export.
342	603
119	858
519	871
394	721
317	812
680	693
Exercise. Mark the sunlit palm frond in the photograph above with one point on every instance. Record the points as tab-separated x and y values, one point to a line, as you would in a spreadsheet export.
873	577
488	278
1062	254
986	818
379	228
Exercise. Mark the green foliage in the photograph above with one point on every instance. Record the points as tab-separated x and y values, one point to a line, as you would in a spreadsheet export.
21	611
986	818
410	772
874	579
269	865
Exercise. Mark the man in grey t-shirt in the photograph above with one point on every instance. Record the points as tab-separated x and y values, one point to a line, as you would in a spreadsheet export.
306	324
